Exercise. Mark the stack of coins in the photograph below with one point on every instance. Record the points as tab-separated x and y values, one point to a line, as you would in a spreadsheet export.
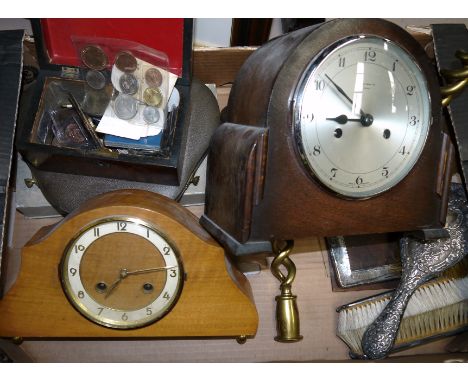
152	95
95	59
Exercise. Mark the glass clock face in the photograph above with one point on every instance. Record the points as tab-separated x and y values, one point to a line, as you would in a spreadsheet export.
121	273
362	116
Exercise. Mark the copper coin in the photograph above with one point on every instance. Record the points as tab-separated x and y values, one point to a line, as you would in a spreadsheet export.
153	78
74	133
128	83
126	62
94	57
152	97
95	79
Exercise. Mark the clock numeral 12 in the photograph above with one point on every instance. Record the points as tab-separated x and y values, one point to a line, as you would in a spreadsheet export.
121	226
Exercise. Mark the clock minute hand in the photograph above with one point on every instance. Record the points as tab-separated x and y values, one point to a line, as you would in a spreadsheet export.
340	90
149	270
343	93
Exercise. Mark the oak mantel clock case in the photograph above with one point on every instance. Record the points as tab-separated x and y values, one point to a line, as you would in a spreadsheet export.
330	130
127	264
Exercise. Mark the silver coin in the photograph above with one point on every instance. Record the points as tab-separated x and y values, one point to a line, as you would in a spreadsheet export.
151	114
95	79
125	106
128	83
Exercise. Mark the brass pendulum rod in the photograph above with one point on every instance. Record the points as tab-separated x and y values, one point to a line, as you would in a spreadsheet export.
457	79
287	314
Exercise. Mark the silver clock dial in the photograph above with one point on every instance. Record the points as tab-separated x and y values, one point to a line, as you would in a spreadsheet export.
362	117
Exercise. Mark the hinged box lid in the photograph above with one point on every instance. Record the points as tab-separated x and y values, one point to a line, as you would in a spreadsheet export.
173	37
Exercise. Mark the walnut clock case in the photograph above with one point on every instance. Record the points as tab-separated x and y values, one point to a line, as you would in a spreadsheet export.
127	264
330	130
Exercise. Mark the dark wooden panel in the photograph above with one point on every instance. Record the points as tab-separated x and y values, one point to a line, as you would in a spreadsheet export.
219	65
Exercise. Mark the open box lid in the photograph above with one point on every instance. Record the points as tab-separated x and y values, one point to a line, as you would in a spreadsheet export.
170	36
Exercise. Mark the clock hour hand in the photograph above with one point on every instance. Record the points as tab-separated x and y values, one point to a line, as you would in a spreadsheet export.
122	274
365	119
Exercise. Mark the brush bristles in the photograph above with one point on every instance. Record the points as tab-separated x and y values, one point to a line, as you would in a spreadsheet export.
434	309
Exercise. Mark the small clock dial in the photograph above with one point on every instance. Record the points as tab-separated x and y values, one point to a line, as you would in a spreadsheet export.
363	116
122	273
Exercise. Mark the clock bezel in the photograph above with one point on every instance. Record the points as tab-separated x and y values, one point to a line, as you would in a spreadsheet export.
296	106
83	309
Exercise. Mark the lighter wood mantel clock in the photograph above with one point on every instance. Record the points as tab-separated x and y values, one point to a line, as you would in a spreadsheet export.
131	264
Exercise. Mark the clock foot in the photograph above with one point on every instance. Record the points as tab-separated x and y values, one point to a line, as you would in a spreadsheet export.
287	314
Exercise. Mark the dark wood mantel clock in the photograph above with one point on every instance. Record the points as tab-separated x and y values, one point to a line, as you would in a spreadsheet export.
330	130
127	264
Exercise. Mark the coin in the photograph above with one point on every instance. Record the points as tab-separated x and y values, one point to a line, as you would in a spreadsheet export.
153	78
94	57
152	97
95	79
150	114
126	62
125	106
74	133
128	83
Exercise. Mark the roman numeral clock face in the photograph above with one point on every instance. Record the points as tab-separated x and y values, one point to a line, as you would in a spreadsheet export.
362	116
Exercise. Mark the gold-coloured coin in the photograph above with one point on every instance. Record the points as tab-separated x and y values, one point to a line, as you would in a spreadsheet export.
94	57
152	97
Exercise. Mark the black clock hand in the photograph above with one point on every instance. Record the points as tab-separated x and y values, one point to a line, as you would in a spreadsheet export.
343	93
340	90
365	119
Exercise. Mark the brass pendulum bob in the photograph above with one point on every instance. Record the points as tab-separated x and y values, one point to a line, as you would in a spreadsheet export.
287	314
